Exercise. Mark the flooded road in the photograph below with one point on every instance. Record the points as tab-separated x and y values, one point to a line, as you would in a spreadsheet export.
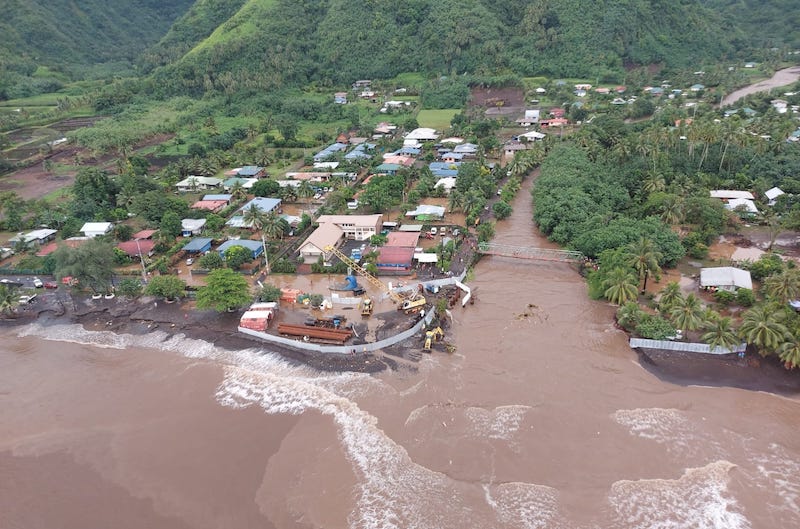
783	77
542	418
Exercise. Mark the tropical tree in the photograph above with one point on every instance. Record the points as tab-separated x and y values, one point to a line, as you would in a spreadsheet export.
670	295
789	350
257	219
8	297
211	261
720	333
165	286
620	286
238	192
236	256
687	313
305	190
784	286
91	264
225	291
763	327
629	315
643	257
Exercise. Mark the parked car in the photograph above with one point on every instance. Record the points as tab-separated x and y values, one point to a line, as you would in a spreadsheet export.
50	285
24	300
456	232
434	230
37	283
189	262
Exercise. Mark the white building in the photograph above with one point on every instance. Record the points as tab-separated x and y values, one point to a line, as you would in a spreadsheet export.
725	278
773	194
95	229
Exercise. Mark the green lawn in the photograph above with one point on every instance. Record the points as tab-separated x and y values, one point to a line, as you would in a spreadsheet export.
438	119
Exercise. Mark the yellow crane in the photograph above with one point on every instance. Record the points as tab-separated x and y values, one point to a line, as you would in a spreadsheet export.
415	302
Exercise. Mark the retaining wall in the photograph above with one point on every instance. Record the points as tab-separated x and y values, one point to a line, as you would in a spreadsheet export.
366	347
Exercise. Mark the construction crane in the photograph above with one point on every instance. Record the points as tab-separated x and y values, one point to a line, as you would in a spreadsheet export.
415	302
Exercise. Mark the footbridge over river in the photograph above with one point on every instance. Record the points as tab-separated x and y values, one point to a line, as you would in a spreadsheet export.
529	252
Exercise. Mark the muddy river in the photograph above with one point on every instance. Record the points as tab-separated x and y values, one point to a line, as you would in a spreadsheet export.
542	418
783	77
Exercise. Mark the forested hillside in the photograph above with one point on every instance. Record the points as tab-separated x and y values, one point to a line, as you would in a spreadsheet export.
95	38
767	23
271	43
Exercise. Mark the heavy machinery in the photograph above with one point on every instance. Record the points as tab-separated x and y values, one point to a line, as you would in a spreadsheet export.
433	335
411	304
366	307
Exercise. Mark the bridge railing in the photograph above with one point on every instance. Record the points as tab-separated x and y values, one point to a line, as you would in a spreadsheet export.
529	252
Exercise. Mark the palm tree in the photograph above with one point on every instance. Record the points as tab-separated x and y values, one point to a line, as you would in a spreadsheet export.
629	315
720	333
255	218
789	351
672	210
785	286
305	189
620	286
687	313
288	194
456	200
273	225
238	191
653	182
670	296
643	257
7	299
763	327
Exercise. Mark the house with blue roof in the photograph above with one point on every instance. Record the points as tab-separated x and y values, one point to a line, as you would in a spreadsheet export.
362	151
264	204
254	247
388	168
452	157
329	151
409	151
252	171
198	245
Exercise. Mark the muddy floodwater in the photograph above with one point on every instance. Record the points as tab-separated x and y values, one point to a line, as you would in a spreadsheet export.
542	418
783	77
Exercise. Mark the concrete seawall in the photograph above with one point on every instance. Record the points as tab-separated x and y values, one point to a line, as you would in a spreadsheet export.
366	347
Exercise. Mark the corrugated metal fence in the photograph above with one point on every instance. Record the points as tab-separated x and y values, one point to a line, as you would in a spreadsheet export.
686	347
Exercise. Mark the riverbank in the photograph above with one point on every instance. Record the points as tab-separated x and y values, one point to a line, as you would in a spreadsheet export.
145	315
783	77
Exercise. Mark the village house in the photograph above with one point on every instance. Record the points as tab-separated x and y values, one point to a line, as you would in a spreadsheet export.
773	194
340	98
193	183
34	238
510	149
192	227
251	171
198	245
254	247
530	118
96	229
725	278
263	204
358	227
326	234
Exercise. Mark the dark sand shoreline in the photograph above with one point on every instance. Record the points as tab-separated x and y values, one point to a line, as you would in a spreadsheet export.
138	317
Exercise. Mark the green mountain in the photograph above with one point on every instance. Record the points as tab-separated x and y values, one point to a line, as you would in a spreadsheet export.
767	23
270	43
73	38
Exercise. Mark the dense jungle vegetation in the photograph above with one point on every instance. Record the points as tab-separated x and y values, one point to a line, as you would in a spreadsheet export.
238	46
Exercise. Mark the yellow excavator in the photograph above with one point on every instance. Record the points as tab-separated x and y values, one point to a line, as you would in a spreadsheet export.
433	335
409	305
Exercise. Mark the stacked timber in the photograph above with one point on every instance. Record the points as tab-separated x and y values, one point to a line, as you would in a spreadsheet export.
316	334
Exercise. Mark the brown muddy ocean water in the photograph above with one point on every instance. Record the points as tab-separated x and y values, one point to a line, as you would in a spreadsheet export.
542	418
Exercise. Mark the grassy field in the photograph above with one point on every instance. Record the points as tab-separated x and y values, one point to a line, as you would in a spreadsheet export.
437	119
